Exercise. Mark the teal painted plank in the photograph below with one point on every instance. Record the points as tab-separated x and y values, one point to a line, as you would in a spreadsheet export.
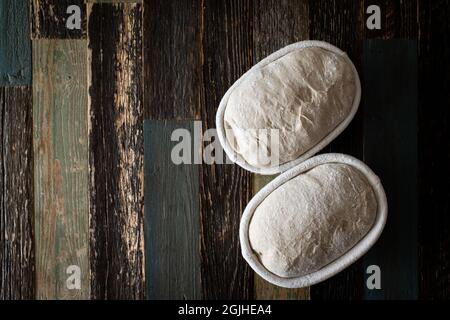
390	149
15	43
172	216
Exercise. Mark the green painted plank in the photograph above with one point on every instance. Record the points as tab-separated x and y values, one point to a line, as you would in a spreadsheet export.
15	44
60	166
390	149
16	194
172	216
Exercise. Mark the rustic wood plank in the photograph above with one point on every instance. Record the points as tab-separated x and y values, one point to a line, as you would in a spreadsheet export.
390	149
339	22
60	168
172	232
277	24
224	189
116	151
434	144
17	266
49	18
173	53
398	19
15	44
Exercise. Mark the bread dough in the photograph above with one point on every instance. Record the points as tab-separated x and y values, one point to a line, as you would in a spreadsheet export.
312	219
305	94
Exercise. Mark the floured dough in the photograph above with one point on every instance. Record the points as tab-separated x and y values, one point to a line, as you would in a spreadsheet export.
305	94
312	219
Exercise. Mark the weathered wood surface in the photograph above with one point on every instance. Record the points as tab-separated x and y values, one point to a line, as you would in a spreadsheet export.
224	189
390	150
172	217
173	59
277	24
49	18
434	146
116	151
339	22
15	44
60	166
16	194
209	45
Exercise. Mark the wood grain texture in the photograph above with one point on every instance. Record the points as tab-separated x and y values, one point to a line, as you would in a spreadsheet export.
16	194
340	23
173	53
277	24
60	166
172	218
398	19
15	44
434	150
49	18
390	150
116	151
224	189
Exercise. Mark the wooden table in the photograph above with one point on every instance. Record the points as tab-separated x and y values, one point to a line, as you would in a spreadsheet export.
86	117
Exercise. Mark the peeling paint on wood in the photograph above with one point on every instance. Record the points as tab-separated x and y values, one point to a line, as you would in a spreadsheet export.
16	194
61	166
116	151
49	18
15	44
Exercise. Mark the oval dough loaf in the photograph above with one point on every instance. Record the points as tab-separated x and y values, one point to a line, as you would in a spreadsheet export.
305	94
312	219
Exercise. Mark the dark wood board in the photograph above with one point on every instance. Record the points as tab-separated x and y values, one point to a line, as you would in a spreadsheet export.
49	18
173	59
224	189
15	44
398	19
434	149
16	194
277	24
339	23
172	218
116	151
390	150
